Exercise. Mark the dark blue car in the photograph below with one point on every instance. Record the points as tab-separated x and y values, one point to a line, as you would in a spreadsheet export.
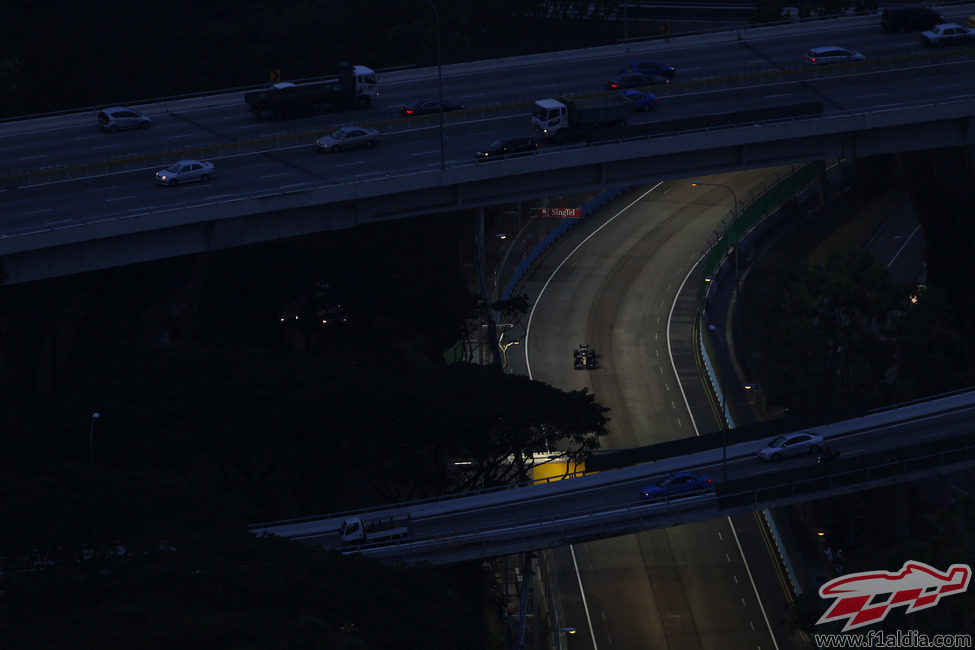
649	67
676	484
642	101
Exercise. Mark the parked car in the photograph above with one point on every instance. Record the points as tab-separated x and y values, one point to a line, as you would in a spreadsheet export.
676	484
348	137
948	34
909	19
507	147
185	171
832	54
649	67
118	118
791	444
428	106
635	80
642	101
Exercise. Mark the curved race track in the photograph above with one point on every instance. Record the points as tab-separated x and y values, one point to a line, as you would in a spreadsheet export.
612	282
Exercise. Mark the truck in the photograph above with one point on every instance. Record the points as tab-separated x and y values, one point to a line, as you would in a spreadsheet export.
365	530
948	34
354	87
579	117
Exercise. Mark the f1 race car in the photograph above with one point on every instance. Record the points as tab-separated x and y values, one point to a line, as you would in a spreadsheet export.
585	357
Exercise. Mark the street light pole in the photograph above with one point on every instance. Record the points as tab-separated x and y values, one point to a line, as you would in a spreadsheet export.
734	197
91	437
436	14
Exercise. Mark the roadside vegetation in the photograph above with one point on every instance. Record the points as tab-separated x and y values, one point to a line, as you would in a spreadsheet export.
825	325
828	330
224	400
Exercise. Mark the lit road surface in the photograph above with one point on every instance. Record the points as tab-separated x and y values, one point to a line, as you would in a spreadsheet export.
682	587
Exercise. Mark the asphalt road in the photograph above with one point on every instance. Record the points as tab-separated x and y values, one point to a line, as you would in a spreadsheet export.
612	283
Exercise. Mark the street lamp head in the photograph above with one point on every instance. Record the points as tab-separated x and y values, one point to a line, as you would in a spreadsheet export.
95	415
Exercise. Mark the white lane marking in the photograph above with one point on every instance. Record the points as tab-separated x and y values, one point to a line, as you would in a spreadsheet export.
34	157
731	524
350	164
903	246
473	95
778	95
582	592
181	136
37	211
121	198
276	175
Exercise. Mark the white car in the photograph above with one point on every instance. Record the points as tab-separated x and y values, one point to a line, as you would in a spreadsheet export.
185	171
948	34
348	137
791	444
117	118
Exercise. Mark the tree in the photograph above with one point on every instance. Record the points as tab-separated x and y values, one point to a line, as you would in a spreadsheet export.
832	334
490	421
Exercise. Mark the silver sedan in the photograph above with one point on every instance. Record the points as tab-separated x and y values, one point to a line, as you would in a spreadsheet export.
791	444
348	137
185	171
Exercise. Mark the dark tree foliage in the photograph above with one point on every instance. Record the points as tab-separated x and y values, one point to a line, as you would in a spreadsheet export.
943	194
135	559
219	409
418	430
831	337
845	334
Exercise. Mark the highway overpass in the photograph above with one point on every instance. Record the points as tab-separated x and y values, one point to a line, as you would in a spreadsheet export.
66	208
888	446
